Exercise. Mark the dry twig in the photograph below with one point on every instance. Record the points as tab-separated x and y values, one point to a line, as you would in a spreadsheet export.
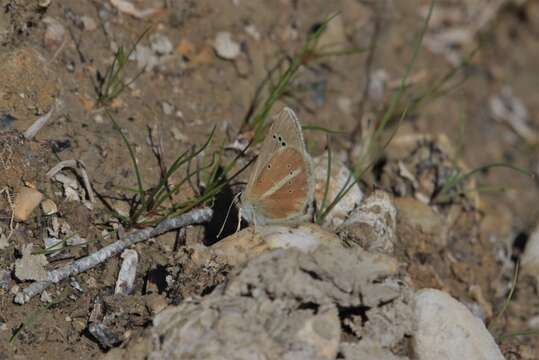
196	216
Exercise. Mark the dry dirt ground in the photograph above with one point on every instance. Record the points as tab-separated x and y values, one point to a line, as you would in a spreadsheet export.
53	55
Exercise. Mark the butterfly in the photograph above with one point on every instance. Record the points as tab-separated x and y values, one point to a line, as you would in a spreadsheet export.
280	189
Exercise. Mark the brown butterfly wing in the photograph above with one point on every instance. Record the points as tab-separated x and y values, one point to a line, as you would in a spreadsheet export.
282	192
285	129
281	185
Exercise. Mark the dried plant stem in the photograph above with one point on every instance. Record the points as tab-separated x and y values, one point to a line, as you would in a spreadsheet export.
196	216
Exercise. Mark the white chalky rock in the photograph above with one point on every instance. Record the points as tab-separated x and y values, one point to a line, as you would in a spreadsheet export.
225	47
446	329
128	271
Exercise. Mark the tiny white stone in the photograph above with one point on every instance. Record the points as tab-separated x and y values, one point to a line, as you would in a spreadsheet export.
168	109
253	32
225	47
45	297
160	44
49	207
128	272
99	119
88	23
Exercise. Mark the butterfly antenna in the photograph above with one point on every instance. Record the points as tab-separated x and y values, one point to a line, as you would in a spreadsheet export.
233	202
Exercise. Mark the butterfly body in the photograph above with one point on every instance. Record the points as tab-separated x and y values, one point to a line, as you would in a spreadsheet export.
281	186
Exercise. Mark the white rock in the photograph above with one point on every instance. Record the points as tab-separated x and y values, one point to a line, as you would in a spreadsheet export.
446	329
46	297
373	224
167	108
253	32
160	44
534	322
145	57
5	279
31	267
128	272
49	207
377	85
225	47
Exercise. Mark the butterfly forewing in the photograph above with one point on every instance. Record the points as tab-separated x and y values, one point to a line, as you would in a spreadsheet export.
284	164
281	185
284	130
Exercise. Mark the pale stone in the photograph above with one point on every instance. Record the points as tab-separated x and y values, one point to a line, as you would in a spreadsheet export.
26	200
446	329
225	46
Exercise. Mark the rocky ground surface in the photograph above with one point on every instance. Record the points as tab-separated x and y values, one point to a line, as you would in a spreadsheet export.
403	267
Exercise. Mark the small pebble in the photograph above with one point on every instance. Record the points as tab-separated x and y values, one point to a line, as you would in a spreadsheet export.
88	23
225	47
54	33
99	119
128	270
145	58
5	279
30	266
160	44
534	322
44	3
168	109
49	207
46	297
26	200
252	31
